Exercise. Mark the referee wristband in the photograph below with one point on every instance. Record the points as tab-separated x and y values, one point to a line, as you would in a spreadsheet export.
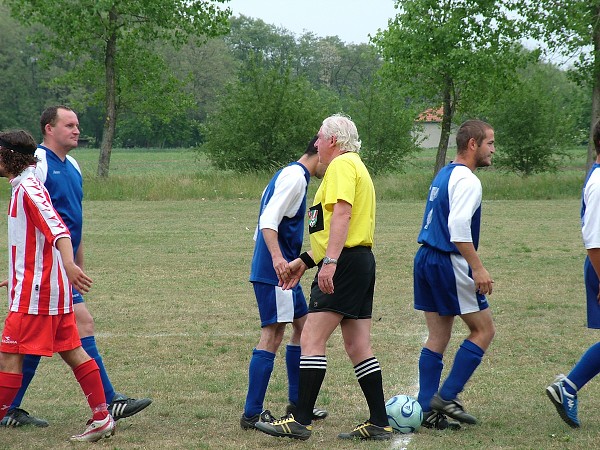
306	259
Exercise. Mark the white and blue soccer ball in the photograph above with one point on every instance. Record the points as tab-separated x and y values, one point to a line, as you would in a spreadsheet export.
404	413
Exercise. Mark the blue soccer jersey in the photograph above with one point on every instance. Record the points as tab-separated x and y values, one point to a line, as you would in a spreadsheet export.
442	277
453	209
64	182
282	208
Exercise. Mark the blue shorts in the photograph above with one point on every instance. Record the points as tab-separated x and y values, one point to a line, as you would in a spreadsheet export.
278	306
443	284
591	292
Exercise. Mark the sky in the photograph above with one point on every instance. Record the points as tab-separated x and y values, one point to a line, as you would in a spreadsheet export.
351	20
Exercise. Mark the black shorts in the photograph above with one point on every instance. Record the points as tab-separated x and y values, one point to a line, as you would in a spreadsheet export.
353	283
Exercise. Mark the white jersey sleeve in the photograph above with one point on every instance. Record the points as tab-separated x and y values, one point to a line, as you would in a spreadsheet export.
590	224
41	168
290	188
464	192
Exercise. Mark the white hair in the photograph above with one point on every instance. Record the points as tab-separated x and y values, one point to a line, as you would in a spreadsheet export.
342	127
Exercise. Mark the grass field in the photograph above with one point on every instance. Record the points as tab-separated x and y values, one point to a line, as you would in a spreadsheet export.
176	321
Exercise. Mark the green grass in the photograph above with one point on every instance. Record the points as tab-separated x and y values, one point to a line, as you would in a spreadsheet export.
182	174
176	318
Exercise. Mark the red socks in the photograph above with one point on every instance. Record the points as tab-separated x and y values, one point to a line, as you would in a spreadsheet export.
10	383
88	376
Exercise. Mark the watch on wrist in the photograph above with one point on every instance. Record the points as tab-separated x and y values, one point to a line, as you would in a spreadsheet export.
328	260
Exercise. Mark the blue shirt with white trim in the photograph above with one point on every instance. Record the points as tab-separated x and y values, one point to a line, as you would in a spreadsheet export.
64	182
453	209
282	208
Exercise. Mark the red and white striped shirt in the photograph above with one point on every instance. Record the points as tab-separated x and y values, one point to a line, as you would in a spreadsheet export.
37	282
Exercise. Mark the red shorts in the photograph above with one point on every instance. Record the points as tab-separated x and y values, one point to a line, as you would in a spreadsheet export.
30	334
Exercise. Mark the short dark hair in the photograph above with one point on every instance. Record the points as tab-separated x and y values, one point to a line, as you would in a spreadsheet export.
310	148
49	116
15	162
471	129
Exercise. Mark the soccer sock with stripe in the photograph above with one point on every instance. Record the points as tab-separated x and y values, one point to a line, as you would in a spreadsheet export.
468	357
312	374
30	363
430	373
585	369
9	386
88	377
369	377
89	345
259	374
292	362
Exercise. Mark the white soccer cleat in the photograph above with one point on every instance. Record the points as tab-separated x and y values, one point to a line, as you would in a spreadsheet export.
96	430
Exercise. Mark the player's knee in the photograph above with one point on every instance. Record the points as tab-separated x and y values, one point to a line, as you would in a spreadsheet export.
271	338
357	349
85	325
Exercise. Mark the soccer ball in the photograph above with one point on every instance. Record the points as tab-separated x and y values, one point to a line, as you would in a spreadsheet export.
404	413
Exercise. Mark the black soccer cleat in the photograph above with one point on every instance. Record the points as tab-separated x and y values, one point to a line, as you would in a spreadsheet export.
123	406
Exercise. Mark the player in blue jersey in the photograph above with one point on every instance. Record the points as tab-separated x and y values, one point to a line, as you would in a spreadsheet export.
62	178
279	236
563	392
450	279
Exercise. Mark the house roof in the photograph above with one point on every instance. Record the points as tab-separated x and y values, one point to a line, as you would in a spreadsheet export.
431	115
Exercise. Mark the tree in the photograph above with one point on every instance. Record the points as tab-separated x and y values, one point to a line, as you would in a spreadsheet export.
385	123
536	119
23	82
110	37
265	120
574	31
450	53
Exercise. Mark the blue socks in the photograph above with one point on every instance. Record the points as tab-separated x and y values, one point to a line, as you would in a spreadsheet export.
292	362
89	345
468	357
586	369
30	363
430	373
259	374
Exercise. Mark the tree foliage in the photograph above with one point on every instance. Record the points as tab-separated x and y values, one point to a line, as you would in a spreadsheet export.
449	53
265	121
536	119
22	82
385	121
110	37
288	85
573	30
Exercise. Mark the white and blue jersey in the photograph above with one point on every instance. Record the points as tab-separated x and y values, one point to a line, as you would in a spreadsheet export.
282	208
443	280
453	209
64	182
590	230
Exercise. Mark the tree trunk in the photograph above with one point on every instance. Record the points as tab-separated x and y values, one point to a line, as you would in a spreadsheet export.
111	103
591	154
440	159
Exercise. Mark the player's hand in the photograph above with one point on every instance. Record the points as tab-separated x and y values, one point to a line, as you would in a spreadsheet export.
78	278
483	281
297	269
282	269
4	284
325	278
